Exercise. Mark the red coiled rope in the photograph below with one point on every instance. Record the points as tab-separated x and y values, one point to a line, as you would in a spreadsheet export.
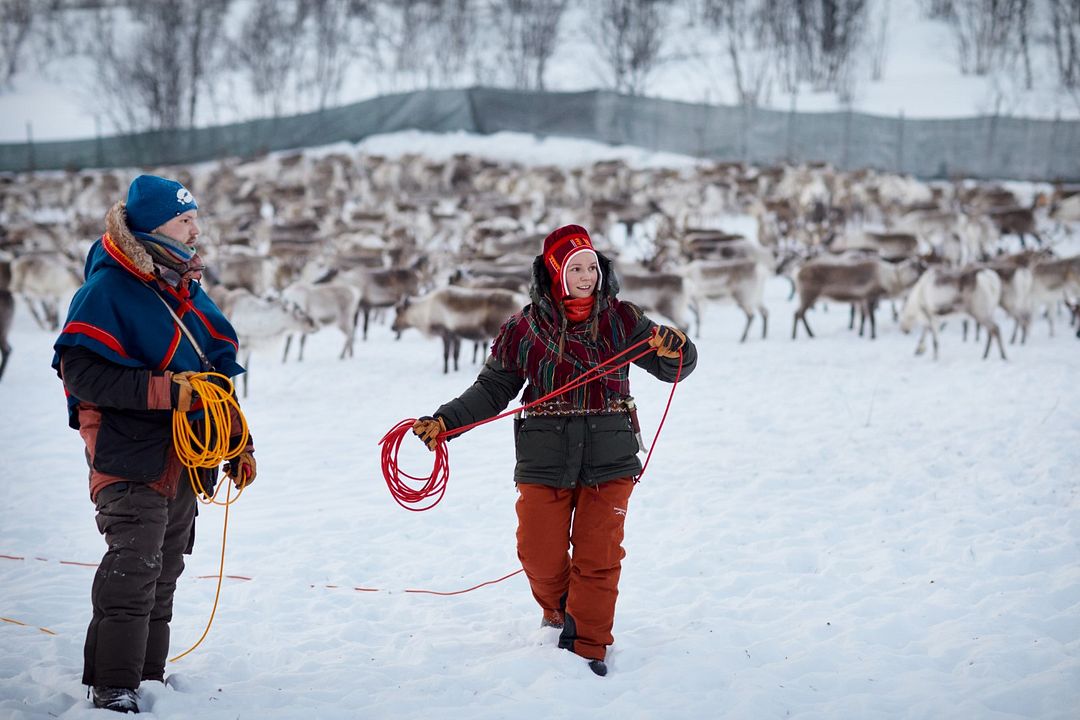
434	485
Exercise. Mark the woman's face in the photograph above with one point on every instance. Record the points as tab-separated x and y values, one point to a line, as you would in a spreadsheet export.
581	275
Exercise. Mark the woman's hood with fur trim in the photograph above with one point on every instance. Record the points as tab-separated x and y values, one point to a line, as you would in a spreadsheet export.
540	287
117	228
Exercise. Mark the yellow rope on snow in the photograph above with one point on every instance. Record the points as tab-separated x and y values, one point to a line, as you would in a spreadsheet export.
210	449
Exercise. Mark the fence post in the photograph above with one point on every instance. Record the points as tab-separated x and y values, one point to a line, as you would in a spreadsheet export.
99	152
900	144
991	131
845	155
30	147
1050	150
790	130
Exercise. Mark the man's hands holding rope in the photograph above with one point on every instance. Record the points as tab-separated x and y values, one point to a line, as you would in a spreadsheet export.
186	398
668	341
428	430
241	470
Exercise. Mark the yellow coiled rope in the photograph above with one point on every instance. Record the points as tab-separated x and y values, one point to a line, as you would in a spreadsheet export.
209	448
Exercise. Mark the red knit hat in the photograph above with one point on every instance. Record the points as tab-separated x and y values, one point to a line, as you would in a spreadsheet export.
559	247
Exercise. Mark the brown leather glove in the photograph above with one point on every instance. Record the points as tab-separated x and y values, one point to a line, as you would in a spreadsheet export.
241	470
668	341
428	429
186	397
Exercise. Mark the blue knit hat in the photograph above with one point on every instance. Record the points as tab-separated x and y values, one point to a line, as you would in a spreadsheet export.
153	201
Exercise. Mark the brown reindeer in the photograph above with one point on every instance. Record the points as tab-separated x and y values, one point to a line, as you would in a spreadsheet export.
7	312
381	287
456	313
861	282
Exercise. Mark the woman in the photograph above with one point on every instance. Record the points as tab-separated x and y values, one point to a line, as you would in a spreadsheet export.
577	452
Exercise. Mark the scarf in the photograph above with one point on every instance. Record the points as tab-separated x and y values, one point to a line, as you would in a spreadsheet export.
578	309
175	262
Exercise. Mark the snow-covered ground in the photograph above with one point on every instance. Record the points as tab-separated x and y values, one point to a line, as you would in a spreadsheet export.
828	528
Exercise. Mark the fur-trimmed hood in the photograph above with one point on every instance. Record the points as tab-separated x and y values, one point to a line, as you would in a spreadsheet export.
117	229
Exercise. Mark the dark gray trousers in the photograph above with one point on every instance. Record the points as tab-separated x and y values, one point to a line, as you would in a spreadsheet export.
132	596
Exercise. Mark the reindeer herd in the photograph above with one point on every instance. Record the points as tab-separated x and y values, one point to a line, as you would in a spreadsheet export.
299	241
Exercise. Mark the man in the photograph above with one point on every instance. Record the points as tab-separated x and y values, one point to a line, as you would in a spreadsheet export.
126	364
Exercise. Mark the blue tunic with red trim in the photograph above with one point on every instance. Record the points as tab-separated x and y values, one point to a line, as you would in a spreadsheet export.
117	315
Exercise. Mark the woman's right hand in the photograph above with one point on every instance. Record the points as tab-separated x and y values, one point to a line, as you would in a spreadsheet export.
428	430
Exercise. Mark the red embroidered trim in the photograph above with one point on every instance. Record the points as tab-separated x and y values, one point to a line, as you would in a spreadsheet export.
167	360
118	255
96	333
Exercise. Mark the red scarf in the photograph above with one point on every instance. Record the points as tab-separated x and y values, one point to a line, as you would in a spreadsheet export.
578	309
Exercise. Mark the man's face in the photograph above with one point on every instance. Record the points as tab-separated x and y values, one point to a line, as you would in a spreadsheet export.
184	228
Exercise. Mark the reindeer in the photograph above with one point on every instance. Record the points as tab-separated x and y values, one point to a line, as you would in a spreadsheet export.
861	282
45	280
1017	287
7	312
381	288
1052	280
453	313
741	280
331	303
975	291
259	321
888	246
669	294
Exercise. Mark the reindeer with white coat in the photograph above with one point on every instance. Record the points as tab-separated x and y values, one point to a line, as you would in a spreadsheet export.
260	321
455	313
331	303
45	280
939	292
741	280
1053	281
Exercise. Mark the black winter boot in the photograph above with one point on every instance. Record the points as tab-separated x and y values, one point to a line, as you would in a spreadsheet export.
123	700
599	667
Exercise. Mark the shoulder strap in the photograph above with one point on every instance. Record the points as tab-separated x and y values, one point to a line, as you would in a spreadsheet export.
206	364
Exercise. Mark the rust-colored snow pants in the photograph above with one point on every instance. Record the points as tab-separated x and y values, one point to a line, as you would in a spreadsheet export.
582	584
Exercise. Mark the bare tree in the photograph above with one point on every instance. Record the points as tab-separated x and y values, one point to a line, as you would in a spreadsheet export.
630	36
989	33
16	20
411	42
1065	33
746	34
879	40
151	78
267	50
330	36
828	34
528	31
938	9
